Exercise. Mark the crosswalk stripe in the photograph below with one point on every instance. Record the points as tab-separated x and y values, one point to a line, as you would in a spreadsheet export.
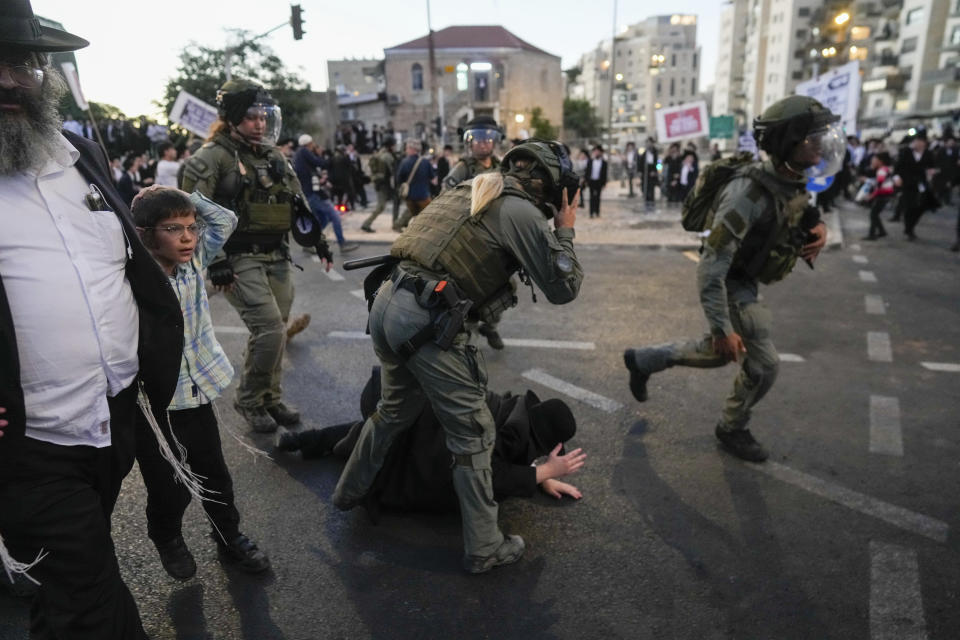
230	330
949	367
791	357
874	305
868	276
885	433
896	601
549	344
855	247
358	293
335	275
878	346
589	397
692	255
348	335
860	259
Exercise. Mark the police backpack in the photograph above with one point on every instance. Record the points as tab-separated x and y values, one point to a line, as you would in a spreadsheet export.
700	204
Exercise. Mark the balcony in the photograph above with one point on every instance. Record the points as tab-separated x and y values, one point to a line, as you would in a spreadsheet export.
949	76
893	82
886	60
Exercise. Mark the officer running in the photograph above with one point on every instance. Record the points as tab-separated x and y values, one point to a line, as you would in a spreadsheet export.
480	137
457	256
240	168
762	224
382	169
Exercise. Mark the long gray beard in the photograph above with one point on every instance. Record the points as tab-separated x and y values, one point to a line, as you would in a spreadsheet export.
28	138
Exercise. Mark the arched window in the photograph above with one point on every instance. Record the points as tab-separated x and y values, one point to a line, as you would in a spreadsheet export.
462	80
416	74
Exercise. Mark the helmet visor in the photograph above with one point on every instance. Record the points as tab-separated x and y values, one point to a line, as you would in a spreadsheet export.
261	124
481	135
821	153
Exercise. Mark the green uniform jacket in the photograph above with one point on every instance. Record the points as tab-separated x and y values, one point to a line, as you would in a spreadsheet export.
384	178
743	206
467	169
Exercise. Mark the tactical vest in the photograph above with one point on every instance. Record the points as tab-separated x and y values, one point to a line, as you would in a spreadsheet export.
771	247
446	239
258	189
474	168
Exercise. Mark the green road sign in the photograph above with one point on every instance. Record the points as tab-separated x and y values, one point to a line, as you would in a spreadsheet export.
721	126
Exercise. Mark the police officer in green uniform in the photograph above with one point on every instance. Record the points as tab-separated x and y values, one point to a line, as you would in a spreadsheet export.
762	225
240	168
383	168
458	254
480	136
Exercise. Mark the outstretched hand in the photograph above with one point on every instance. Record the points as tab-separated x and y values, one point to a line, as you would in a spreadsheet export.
558	489
558	465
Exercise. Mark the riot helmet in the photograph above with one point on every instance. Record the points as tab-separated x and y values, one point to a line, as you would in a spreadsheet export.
802	134
251	111
481	135
550	163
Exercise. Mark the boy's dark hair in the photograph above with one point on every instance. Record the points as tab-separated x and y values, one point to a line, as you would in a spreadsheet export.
128	162
446	147
150	207
885	158
162	148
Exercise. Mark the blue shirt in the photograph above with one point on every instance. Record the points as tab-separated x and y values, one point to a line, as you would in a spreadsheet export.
306	163
420	184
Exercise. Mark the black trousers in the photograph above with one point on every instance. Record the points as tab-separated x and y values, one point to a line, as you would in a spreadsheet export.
914	208
649	187
59	499
596	188
167	499
876	208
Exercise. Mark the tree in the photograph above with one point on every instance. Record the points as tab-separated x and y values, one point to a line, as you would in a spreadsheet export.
201	72
541	126
101	110
579	116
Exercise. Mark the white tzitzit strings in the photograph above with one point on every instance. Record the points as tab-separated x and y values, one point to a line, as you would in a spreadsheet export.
12	566
254	451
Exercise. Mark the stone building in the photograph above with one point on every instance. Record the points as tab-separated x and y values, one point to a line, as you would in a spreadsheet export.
480	70
355	77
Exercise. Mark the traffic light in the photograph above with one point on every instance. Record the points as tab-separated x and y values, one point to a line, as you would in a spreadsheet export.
296	21
438	126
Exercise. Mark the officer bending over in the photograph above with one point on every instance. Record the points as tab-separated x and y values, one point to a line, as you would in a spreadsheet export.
761	224
456	259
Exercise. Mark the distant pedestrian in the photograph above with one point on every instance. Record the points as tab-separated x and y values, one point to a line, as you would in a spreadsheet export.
596	179
881	165
649	172
414	177
915	168
167	166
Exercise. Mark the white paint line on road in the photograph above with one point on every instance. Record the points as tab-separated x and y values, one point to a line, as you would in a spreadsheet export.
949	367
549	344
230	330
589	397
348	335
874	305
791	357
692	255
868	276
896	601
358	293
885	434
878	346
335	275
859	259
891	514
855	247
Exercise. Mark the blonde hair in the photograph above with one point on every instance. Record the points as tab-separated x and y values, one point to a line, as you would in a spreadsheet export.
486	188
219	126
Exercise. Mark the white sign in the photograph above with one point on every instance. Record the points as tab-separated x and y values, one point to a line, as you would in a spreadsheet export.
747	142
688	120
193	114
839	91
73	81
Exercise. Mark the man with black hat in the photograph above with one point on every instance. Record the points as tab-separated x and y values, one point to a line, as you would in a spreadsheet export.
596	179
915	167
87	318
240	168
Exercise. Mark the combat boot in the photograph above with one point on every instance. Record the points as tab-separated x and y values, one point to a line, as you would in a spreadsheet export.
257	417
509	551
283	415
242	552
740	443
492	336
298	324
176	559
641	363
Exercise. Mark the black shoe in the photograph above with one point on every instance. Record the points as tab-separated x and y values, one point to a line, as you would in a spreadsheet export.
638	379
493	338
910	235
287	440
242	552
740	443
367	229
283	415
176	559
882	234
257	417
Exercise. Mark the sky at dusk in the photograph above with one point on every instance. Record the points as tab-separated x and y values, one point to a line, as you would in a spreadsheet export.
134	46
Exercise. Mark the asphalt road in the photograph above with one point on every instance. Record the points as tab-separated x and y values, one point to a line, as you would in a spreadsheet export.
849	531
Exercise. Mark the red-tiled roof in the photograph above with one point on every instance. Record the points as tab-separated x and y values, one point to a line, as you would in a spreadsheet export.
472	37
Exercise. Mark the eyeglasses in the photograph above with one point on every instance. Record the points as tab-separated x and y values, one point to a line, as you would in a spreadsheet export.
196	229
22	75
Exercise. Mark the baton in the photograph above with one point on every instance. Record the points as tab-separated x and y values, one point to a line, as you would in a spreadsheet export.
363	263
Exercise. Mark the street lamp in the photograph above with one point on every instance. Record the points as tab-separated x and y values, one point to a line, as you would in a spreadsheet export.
842	19
519	118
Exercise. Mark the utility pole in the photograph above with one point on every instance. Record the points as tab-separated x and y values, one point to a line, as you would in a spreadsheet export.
433	73
613	77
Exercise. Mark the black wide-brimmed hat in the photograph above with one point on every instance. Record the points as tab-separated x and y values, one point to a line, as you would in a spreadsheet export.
20	29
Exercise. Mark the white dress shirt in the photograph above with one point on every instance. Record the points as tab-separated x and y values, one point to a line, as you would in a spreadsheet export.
75	318
167	173
596	164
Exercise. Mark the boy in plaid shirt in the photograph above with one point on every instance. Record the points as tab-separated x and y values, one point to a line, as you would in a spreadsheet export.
184	234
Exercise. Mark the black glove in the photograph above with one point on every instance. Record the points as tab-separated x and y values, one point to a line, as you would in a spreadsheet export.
221	273
323	250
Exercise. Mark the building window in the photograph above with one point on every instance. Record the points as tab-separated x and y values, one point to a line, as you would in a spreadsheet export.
797	75
914	16
659	87
693	86
801	34
909	44
694	59
955	36
462	80
672	87
673	60
803	12
499	73
948	95
860	33
416	75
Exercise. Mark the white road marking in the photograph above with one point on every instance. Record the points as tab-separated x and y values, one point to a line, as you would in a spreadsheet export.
549	344
878	346
891	514
358	293
859	259
885	434
315	259
791	357
589	397
949	367
335	275
868	276
896	601
874	305
230	330
855	247
348	335
692	255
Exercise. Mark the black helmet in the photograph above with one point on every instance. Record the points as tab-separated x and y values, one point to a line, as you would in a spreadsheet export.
794	120
239	98
554	159
389	141
481	129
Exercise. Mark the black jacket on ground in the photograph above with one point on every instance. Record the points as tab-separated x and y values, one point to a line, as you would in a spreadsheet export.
161	323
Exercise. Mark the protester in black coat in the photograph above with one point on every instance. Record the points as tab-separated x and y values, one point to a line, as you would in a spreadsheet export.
914	168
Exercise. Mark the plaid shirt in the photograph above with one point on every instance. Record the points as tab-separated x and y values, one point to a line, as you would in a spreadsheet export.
205	370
